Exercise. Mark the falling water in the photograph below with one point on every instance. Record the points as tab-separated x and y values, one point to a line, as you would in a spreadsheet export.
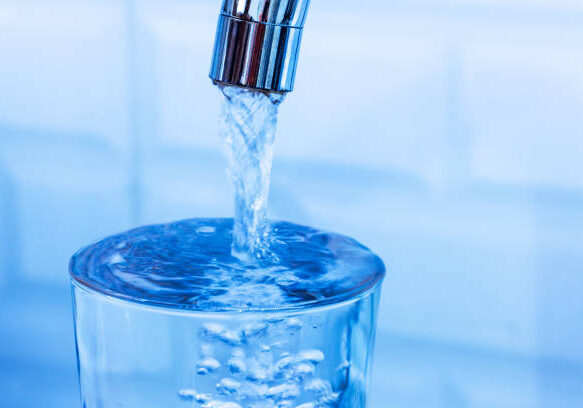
248	124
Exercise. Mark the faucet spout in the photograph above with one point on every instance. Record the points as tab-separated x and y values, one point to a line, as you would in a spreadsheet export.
258	42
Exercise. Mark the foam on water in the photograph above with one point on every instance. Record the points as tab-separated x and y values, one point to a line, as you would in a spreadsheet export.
248	124
190	265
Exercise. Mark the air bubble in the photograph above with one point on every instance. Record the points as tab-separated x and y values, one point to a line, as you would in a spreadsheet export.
283	391
284	363
207	229
253	330
228	386
236	366
323	390
303	370
307	405
202	371
294	324
343	366
261	375
207	365
314	356
187	395
286	279
116	259
221	404
218	332
206	350
202	398
257	372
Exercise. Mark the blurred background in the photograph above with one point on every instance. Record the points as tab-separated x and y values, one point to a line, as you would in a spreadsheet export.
456	154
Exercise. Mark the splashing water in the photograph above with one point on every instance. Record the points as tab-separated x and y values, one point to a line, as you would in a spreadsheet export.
248	124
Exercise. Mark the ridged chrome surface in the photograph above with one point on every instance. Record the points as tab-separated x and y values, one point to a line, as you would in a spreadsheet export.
280	12
258	42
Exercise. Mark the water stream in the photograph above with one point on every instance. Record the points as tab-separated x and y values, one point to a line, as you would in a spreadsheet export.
248	124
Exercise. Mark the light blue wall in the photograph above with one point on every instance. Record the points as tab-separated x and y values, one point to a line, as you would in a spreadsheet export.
446	135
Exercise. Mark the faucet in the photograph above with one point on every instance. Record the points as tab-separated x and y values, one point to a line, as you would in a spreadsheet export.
258	43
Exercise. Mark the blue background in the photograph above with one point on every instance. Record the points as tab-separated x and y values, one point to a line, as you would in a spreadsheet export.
446	135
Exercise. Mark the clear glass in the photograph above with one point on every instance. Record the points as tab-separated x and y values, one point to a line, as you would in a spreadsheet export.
139	356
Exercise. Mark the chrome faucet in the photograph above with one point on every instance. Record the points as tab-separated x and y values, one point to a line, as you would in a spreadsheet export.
258	43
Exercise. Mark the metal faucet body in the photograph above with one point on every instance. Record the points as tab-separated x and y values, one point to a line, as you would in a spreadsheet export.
258	42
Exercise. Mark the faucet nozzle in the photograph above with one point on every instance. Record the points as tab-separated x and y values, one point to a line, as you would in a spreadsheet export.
258	43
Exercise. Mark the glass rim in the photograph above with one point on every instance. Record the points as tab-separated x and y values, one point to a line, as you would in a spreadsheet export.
171	309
